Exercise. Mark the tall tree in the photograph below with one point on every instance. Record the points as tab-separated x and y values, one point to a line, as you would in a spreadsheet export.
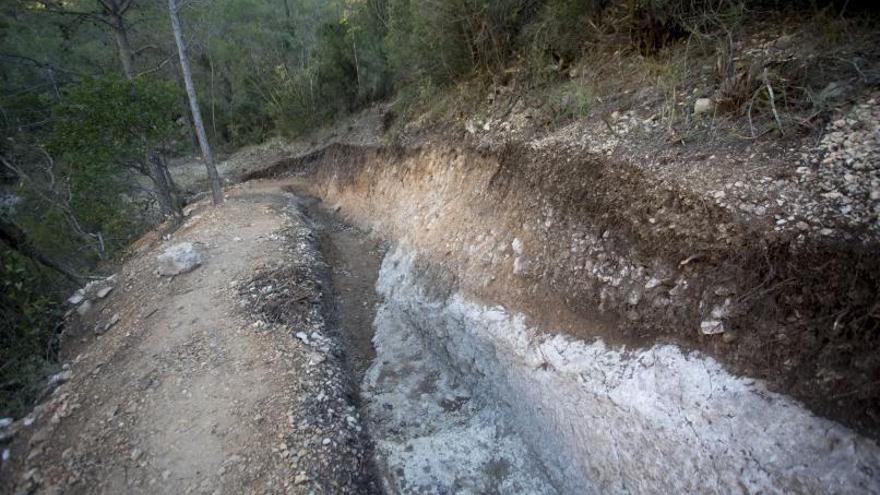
216	191
110	13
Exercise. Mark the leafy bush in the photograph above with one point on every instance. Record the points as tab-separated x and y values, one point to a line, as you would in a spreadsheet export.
443	41
28	319
558	33
104	130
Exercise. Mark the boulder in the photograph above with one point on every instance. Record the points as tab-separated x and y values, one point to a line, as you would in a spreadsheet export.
179	258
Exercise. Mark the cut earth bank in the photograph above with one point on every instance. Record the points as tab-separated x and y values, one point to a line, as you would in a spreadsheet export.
637	337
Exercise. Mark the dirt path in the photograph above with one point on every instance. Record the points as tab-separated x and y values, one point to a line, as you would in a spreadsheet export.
190	392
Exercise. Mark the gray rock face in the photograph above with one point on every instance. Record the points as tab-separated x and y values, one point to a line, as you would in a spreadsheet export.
179	258
598	419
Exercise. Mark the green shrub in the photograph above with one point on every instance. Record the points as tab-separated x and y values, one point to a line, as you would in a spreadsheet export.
558	33
103	131
444	41
28	319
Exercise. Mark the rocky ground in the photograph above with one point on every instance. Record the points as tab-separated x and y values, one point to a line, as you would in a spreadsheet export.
193	383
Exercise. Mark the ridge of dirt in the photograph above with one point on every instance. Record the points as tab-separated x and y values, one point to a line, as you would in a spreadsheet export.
196	388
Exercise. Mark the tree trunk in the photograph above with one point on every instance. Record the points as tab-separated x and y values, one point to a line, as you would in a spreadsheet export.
169	203
126	56
12	235
190	130
214	177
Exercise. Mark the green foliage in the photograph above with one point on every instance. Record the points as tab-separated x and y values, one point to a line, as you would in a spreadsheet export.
102	126
110	119
444	41
28	318
558	33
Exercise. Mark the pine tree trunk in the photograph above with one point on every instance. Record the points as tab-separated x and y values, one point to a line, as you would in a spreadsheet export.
125	54
216	191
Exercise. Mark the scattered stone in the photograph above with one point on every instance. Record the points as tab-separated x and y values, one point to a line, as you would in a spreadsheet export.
76	298
301	478
517	246
316	359
84	308
102	293
178	259
711	327
5	423
703	105
102	328
59	378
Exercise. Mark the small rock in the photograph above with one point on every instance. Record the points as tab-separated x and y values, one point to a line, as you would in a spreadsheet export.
301	478
517	246
711	327
177	259
136	454
76	298
84	308
103	291
326	441
59	378
703	105
5	423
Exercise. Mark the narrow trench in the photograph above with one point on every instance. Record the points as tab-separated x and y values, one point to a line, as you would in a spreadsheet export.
425	432
353	259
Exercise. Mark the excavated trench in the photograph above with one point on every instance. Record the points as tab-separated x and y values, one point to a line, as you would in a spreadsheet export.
524	331
429	434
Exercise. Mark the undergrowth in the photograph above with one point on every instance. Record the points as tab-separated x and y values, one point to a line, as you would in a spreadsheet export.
29	319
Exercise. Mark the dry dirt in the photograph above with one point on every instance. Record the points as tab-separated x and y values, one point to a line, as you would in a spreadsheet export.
193	390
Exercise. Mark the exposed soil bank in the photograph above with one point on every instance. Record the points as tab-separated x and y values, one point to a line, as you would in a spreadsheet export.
603	420
571	244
